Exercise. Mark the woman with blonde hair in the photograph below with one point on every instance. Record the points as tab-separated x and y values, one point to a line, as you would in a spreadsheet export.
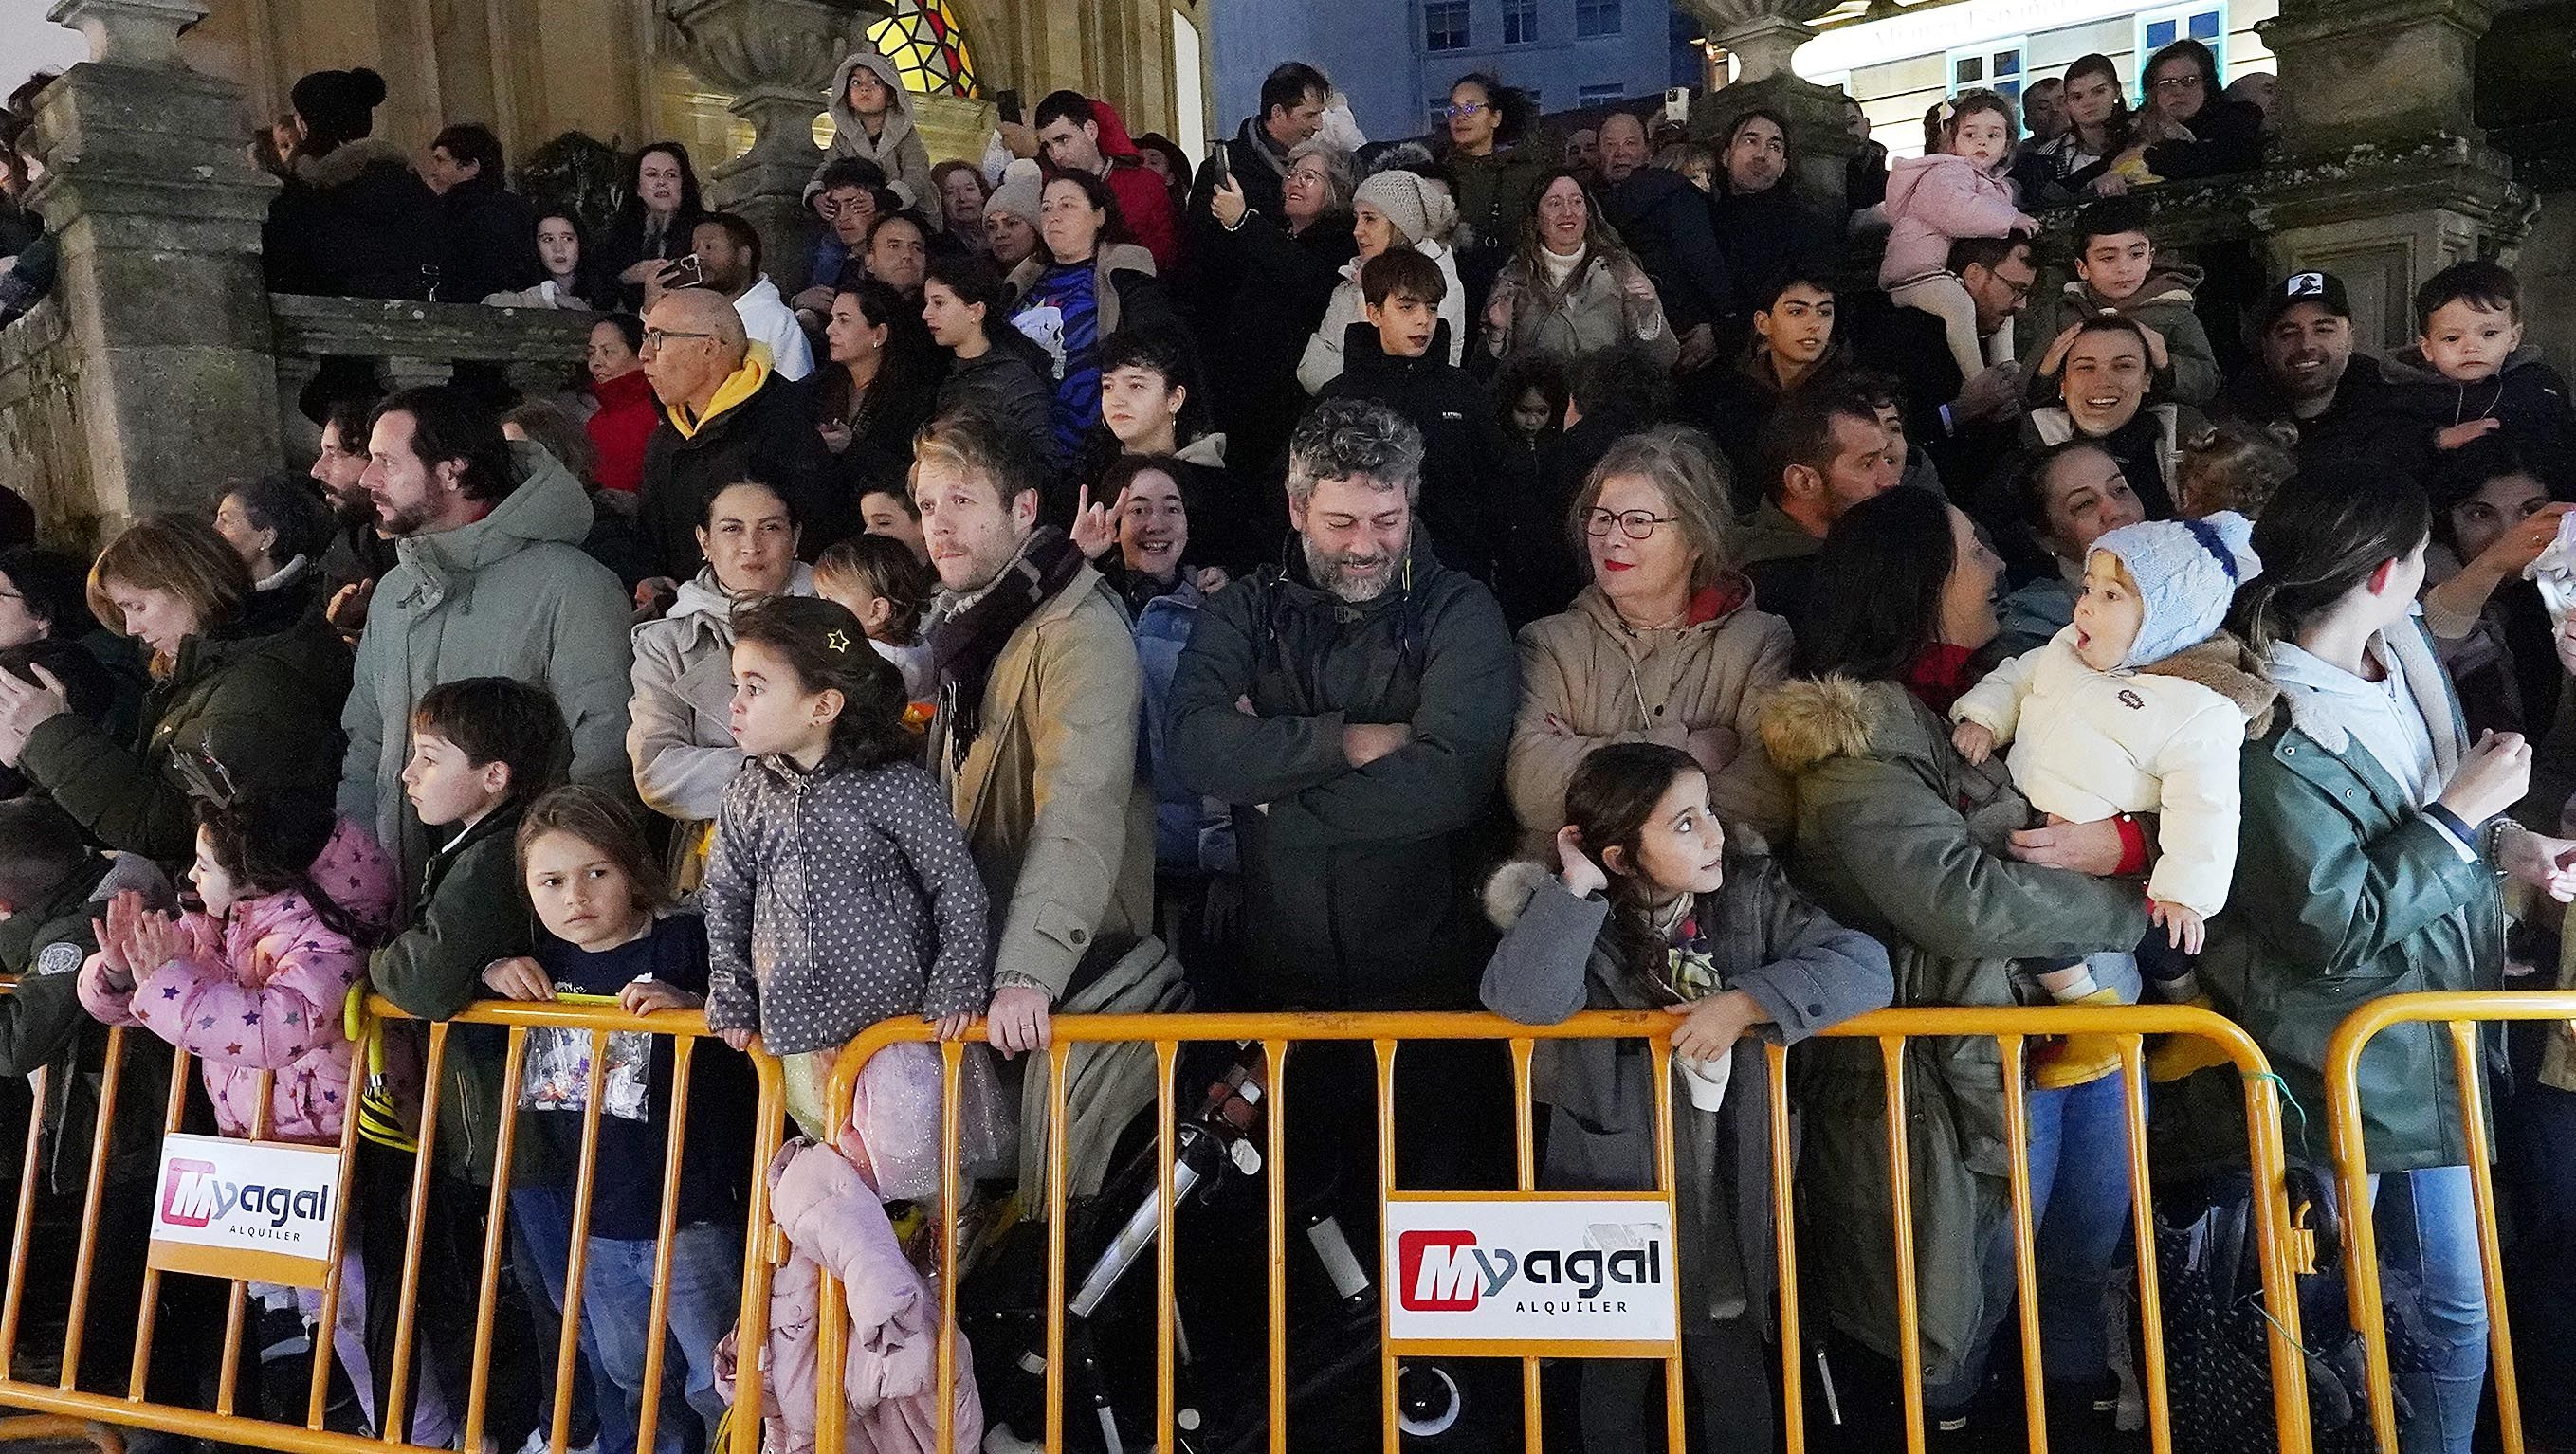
172	583
1665	645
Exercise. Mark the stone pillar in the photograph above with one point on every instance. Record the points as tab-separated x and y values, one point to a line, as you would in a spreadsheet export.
1762	35
148	184
776	57
2382	177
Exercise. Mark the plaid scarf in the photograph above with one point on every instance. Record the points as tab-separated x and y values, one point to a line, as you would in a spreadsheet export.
965	642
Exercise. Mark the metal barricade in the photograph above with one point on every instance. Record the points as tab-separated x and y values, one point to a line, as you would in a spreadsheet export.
62	1398
1385	1033
2461	1013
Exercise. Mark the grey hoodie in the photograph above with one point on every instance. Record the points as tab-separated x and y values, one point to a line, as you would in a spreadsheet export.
898	148
509	595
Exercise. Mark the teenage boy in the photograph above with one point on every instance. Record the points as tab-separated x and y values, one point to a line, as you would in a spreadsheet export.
481	747
1792	343
2470	373
2117	271
1399	357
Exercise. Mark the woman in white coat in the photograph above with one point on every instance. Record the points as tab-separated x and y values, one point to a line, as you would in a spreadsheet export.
1390	209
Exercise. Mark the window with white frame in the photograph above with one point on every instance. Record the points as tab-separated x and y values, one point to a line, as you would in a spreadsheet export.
1595	17
1444	25
1520	22
1599	95
2205	22
1996	66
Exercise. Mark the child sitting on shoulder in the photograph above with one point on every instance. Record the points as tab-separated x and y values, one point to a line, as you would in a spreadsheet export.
2117	271
2140	706
2473	374
1651	907
591	880
840	891
1934	200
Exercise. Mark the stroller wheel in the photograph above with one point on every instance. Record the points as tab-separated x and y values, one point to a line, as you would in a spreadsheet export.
1427	1401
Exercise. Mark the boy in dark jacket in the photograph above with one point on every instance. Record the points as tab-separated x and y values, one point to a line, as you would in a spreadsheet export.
2471	374
1399	358
481	748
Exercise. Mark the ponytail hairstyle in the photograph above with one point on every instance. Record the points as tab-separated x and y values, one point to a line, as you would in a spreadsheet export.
827	649
2319	541
268	846
1609	801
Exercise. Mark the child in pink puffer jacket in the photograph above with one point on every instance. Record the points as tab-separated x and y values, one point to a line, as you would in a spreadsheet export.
1932	202
257	980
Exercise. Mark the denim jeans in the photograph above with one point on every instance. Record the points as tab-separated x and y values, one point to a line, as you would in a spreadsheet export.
616	1305
541	1248
2079	1203
2428	1228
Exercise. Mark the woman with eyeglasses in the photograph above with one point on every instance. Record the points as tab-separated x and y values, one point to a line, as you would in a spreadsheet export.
1494	183
177	587
2189	127
1665	645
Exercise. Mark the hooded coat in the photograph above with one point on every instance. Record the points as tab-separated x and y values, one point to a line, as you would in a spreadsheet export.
1933	201
2164	302
510	595
1144	201
261	992
220	701
758	427
897	150
1357	874
679	731
2526	397
1347	308
1600	683
1903	839
1593	312
356	222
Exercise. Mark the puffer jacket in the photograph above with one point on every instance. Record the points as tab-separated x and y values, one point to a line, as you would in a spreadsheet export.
835	1224
1593	313
261	991
1587	682
219	701
2164	302
837	898
510	595
897	150
1903	839
1932	201
679	725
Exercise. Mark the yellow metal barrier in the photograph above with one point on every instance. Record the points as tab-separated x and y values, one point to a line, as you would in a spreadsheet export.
2461	1013
64	1400
1386	1032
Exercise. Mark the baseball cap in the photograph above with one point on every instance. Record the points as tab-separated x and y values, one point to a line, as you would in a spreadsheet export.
2312	286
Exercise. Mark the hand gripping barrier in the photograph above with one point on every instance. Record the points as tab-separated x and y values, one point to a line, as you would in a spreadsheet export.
1273	1034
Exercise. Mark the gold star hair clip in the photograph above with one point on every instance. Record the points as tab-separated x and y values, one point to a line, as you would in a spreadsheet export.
837	641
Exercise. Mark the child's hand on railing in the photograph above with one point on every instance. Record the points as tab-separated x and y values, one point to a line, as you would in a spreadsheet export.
645	996
518	978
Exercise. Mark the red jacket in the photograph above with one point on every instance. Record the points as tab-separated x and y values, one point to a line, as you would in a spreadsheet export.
1143	200
626	419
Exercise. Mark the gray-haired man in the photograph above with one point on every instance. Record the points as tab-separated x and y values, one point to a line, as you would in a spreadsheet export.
1354	710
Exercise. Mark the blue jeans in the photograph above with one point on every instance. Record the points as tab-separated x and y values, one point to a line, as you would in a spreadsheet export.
541	1247
2079	1203
616	1306
2428	1228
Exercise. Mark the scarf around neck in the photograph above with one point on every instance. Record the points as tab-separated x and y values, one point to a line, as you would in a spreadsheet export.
965	641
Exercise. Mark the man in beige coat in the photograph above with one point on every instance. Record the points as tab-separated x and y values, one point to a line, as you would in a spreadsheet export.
1040	697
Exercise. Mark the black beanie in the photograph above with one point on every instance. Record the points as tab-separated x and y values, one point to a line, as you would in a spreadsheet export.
336	105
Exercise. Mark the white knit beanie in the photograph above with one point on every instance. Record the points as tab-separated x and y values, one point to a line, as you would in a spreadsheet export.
1022	185
1418	211
2187	573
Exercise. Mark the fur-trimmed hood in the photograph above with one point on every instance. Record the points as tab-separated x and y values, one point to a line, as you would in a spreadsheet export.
1508	891
1810	721
348	161
2225	666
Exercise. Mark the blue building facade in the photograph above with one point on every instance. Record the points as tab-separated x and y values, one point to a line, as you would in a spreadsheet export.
1395	59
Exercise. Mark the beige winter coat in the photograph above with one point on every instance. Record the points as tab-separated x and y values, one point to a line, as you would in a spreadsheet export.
1603	684
1060	823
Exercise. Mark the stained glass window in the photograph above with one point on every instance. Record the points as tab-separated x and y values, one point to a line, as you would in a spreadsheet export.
928	48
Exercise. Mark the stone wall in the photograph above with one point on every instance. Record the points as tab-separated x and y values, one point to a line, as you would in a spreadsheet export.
44	453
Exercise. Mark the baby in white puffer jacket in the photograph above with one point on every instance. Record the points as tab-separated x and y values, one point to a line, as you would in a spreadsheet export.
2094	735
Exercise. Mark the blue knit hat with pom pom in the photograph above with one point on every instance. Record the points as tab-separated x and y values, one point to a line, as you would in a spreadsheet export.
2187	573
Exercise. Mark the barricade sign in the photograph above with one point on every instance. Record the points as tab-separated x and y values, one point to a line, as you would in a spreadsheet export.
1510	1273
256	1210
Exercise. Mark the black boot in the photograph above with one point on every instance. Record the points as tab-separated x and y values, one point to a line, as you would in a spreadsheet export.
2083	1417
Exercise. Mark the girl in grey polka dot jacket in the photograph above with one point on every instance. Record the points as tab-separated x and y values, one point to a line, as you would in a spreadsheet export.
839	891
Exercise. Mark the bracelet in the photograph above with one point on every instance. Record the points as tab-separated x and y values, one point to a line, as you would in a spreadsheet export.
2490	840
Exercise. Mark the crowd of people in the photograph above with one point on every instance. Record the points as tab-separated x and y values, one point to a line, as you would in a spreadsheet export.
1398	578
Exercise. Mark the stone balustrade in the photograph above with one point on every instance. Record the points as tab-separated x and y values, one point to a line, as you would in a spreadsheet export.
404	343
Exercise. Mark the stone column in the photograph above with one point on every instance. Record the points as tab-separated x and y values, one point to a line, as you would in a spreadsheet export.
2381	176
158	208
1762	35
776	57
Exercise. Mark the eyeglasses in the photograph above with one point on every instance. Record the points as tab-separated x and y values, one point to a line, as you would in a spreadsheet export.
654	338
2176	83
1457	110
1635	524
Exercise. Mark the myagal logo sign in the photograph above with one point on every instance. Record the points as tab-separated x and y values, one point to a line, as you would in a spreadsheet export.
251	1209
1514	1269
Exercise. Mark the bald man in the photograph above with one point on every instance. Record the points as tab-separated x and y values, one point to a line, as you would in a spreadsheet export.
725	418
1665	221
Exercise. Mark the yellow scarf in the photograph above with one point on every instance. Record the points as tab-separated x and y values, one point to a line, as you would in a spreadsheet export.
742	384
